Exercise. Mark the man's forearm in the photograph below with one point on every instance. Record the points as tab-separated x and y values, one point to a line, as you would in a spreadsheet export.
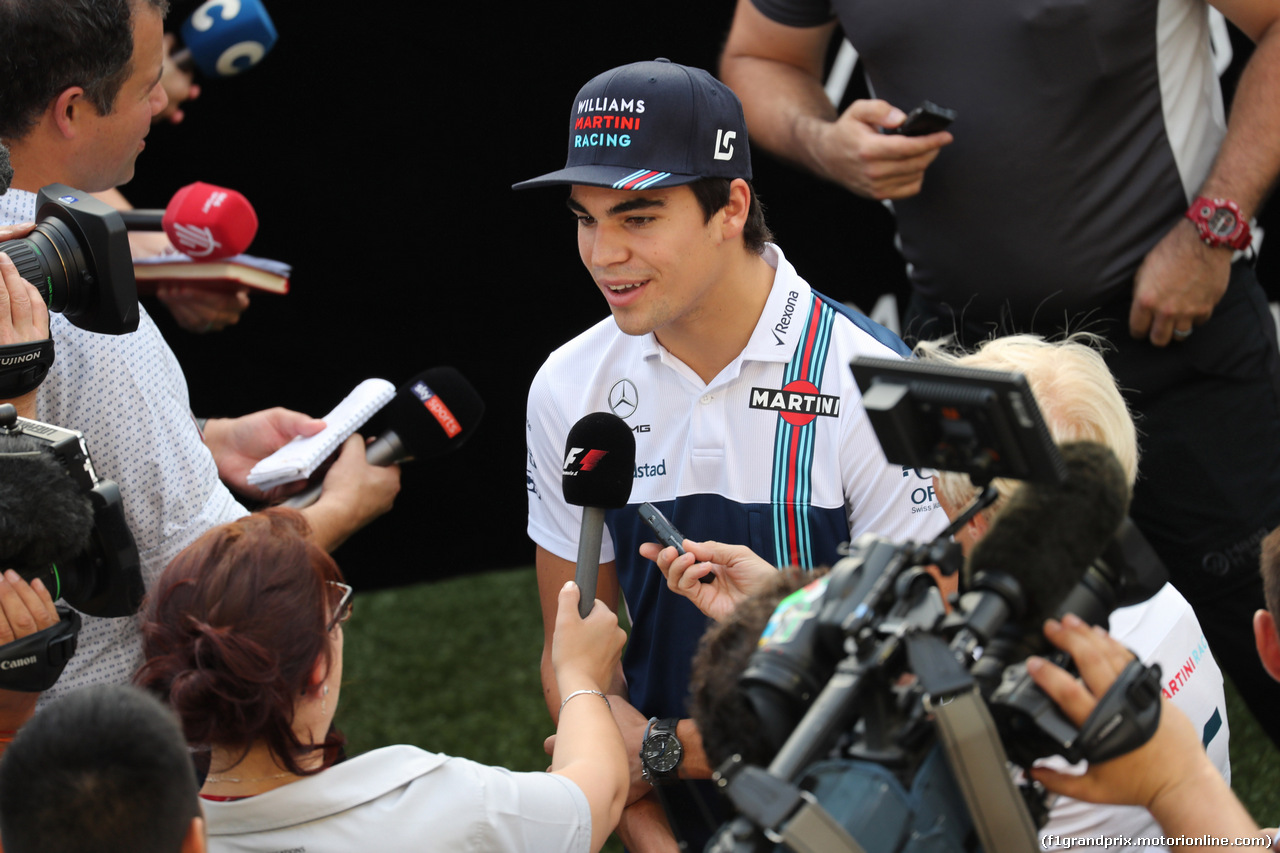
776	71
785	108
1249	159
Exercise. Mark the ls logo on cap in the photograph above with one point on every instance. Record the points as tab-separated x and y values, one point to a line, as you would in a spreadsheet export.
724	144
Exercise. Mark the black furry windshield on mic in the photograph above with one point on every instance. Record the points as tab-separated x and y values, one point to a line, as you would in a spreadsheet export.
44	517
599	462
1046	536
6	169
435	412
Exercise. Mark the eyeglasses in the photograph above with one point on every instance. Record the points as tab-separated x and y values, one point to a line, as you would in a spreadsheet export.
342	612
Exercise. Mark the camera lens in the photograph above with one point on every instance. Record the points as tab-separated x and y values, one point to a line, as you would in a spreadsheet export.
78	258
51	258
50	576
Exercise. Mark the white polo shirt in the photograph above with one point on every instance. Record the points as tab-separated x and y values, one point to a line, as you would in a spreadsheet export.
776	453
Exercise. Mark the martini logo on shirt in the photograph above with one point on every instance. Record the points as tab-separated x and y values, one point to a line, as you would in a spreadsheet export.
798	402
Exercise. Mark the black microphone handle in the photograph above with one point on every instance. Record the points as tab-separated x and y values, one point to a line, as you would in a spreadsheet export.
386	449
143	220
589	557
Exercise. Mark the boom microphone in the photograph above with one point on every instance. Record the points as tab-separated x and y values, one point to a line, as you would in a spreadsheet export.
44	516
202	220
432	414
599	464
1047	536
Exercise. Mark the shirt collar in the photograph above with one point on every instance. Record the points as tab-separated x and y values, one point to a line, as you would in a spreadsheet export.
777	332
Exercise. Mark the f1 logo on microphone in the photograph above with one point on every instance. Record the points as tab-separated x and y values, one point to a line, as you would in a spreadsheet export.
572	467
724	144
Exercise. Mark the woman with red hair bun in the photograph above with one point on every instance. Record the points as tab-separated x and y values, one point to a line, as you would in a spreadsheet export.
243	638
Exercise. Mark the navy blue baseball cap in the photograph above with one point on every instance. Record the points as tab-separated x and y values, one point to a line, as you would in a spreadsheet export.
649	125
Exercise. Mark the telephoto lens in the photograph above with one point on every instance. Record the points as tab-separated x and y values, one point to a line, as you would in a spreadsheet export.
78	258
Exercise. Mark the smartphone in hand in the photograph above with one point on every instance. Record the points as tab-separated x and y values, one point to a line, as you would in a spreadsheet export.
924	119
667	533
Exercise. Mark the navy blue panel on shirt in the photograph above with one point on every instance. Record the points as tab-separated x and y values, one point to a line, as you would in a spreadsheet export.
657	662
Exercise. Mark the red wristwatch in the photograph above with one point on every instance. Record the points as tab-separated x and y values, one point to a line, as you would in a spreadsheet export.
1220	223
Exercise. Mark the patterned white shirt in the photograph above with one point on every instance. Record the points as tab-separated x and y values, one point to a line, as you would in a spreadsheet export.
128	396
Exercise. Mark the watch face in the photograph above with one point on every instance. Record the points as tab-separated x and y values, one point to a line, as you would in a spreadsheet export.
661	752
1222	222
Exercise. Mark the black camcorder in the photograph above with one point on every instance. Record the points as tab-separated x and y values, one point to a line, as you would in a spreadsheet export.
78	258
60	522
891	720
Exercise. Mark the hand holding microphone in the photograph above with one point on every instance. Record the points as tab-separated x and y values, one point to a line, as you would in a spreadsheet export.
599	464
224	37
432	414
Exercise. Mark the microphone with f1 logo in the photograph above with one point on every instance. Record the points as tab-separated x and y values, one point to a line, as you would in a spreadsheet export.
599	463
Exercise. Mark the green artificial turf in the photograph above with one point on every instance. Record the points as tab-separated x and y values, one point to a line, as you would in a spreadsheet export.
452	667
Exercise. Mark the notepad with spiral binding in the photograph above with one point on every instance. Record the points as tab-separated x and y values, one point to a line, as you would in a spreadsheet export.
299	459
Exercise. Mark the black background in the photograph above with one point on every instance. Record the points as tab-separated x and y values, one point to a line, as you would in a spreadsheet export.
379	151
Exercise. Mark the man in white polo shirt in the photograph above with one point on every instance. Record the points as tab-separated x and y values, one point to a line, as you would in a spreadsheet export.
732	373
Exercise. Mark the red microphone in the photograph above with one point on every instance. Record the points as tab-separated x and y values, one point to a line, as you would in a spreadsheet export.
202	221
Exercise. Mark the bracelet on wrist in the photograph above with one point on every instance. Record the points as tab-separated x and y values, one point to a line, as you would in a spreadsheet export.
580	693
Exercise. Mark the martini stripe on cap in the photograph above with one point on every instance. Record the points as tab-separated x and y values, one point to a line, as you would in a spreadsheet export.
644	185
634	178
639	173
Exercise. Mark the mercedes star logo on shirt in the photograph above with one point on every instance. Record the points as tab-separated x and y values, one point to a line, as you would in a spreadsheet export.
623	398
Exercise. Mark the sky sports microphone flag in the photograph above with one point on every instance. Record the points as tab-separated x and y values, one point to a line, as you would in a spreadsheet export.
432	414
599	462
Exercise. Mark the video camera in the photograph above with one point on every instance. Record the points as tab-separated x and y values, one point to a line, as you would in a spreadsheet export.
63	524
78	258
885	710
